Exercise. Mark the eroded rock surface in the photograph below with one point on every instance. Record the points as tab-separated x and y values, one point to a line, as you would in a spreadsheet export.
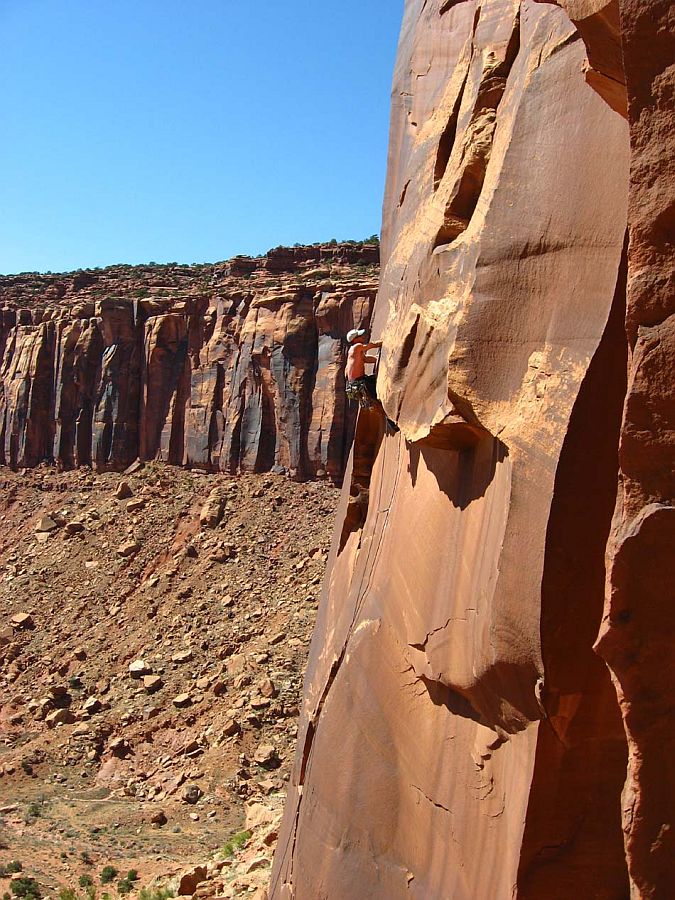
460	737
233	366
638	629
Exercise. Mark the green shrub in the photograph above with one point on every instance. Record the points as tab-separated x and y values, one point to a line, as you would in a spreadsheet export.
108	874
67	894
236	842
11	868
156	893
86	880
132	875
124	886
25	887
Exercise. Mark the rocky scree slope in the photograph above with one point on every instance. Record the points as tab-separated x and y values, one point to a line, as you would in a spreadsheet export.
153	635
235	366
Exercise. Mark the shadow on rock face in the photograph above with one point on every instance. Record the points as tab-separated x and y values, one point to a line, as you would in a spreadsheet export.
370	429
477	465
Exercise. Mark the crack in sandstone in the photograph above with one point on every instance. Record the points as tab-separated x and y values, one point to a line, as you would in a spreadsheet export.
477	140
312	726
429	800
423	645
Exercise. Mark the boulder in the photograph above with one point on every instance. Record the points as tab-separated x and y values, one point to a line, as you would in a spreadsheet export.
128	548
212	510
59	717
152	683
123	490
189	879
191	793
74	527
139	667
265	754
46	524
182	700
22	620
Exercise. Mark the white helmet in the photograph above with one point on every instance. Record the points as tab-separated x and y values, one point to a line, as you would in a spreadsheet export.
355	333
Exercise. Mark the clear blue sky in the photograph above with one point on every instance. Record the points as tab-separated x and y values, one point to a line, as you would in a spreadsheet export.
189	130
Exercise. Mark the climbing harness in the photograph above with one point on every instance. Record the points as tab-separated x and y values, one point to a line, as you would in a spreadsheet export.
362	390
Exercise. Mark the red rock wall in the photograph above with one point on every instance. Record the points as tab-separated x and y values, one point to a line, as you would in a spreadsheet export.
638	629
459	736
244	374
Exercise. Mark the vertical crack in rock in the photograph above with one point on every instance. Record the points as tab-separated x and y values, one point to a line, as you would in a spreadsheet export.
367	441
306	753
267	436
216	420
373	420
573	842
446	143
469	176
401	199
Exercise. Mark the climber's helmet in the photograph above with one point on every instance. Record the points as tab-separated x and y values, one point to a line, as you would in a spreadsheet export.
354	334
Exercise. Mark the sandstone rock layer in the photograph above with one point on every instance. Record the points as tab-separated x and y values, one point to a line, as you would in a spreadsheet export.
460	737
233	367
638	629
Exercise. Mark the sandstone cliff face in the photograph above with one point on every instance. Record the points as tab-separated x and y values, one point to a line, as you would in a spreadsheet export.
460	737
638	628
233	367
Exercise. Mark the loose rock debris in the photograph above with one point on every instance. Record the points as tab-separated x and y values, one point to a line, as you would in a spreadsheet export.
150	668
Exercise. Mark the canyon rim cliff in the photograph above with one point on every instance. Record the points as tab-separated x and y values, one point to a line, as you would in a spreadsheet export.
488	704
236	366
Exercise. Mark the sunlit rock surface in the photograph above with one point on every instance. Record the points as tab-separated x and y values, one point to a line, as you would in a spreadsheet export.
236	366
460	737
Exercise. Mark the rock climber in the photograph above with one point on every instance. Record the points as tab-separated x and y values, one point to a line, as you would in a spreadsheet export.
360	386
